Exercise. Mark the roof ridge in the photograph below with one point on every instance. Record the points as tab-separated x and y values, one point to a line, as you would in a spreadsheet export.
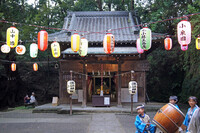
99	13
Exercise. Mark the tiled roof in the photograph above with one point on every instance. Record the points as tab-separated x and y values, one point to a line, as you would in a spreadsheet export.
98	21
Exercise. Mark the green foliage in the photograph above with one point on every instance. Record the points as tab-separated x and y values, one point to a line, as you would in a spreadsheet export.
85	5
172	72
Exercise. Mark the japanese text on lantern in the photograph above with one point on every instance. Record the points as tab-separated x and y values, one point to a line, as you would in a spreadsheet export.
183	34
144	39
12	35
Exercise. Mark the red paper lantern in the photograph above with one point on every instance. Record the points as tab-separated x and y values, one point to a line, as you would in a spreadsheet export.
13	67
42	40
35	67
109	43
184	32
168	43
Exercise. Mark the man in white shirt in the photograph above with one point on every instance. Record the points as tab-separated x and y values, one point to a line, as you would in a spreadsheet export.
33	100
194	126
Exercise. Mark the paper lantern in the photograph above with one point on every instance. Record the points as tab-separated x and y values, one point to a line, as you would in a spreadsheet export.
75	42
109	43
35	67
145	38
83	47
5	48
12	37
132	87
42	40
13	67
20	49
168	43
55	49
198	43
139	49
33	50
184	47
184	32
71	87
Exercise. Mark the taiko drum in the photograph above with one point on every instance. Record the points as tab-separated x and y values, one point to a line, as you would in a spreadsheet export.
169	118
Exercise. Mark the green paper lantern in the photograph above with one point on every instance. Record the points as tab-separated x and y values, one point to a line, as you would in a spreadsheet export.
145	38
83	47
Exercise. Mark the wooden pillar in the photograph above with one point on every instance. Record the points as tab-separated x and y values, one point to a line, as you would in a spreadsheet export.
119	104
144	86
84	102
60	84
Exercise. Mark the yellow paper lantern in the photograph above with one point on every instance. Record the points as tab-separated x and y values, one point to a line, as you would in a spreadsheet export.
12	37
75	42
55	49
198	43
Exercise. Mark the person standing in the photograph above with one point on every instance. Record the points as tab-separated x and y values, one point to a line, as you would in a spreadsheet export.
192	102
194	126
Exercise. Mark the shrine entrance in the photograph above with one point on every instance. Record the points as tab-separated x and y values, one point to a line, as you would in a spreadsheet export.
109	86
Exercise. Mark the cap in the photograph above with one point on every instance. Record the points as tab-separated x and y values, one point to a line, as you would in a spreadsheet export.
173	98
140	107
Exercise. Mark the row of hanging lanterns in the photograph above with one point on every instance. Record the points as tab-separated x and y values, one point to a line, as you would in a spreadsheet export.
183	34
80	45
14	66
12	42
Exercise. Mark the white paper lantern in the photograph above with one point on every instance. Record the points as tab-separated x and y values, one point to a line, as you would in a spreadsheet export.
71	87
5	48
132	87
20	49
33	50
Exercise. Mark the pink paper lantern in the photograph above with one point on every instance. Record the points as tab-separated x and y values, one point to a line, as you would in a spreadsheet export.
184	47
184	32
139	49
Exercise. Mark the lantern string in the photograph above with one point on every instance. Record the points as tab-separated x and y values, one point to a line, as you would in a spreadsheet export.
104	31
158	36
28	62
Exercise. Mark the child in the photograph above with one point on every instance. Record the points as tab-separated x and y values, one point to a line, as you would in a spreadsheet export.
142	122
192	102
173	100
